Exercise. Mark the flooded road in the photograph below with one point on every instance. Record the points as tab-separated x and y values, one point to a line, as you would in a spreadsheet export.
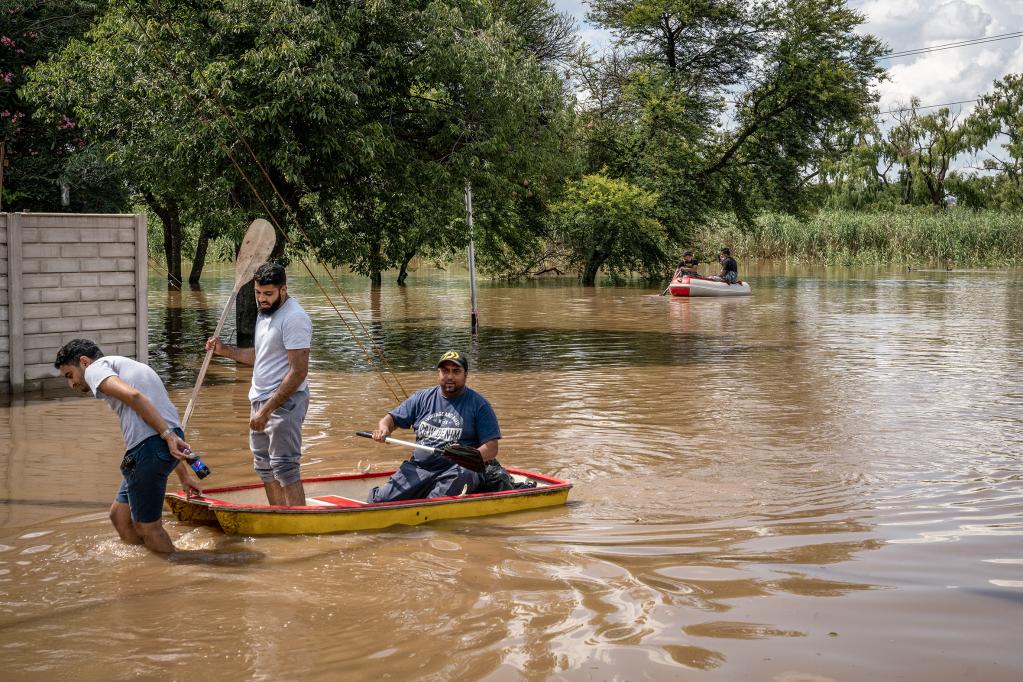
818	482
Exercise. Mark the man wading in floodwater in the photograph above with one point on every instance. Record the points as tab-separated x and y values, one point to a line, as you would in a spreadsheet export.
153	438
280	392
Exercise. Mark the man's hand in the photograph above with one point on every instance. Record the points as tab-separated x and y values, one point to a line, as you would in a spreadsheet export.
214	344
384	428
259	420
188	478
176	445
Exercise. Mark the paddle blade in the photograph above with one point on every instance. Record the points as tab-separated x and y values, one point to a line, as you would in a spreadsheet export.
463	455
256	248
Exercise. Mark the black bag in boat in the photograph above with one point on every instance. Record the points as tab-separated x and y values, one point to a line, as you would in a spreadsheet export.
496	478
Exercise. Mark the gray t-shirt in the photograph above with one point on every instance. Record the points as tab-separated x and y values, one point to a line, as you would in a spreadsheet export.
288	328
143	378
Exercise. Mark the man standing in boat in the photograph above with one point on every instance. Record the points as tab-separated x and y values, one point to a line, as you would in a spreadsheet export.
729	268
447	412
279	393
153	439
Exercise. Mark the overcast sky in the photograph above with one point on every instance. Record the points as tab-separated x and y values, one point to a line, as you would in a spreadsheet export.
937	77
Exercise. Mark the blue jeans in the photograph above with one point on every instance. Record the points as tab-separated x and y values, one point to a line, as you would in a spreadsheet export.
433	476
146	468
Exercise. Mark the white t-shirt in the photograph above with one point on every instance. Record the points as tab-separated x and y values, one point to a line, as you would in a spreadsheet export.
142	377
288	328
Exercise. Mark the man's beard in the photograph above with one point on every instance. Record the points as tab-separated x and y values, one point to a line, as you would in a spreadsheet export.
273	306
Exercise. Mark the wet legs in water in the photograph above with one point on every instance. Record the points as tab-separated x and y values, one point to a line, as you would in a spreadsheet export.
152	535
291	495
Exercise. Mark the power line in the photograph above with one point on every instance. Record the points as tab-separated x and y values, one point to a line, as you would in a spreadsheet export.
950	46
946	46
926	106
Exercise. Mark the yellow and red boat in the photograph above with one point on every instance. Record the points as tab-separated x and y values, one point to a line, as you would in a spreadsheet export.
334	504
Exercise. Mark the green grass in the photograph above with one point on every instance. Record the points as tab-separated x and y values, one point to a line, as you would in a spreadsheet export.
912	236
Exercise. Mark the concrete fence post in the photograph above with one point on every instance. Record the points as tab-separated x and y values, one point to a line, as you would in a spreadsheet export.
141	289
16	303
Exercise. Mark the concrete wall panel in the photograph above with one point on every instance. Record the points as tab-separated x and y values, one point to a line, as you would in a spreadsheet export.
64	276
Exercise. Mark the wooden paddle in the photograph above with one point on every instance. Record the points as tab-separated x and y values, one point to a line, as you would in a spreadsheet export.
463	455
256	248
670	280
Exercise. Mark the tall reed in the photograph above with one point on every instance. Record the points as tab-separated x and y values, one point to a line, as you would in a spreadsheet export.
911	236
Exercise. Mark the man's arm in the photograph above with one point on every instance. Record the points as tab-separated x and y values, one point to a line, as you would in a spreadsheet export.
385	427
298	361
117	388
246	356
489	450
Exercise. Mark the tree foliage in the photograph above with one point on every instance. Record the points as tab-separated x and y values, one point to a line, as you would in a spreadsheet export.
998	118
610	223
724	104
40	166
355	125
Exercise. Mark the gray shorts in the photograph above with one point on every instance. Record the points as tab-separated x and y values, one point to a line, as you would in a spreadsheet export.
277	449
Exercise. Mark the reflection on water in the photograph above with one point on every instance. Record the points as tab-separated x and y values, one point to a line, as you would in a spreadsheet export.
766	488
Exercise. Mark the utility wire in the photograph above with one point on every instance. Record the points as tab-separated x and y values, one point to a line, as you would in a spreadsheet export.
951	46
946	46
927	106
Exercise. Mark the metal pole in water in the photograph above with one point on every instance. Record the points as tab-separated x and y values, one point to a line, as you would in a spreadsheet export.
472	258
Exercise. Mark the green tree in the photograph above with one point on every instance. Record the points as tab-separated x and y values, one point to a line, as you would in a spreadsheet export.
139	118
926	146
41	168
721	104
611	224
859	171
999	118
355	126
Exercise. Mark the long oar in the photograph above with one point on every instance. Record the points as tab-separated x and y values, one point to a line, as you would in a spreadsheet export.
670	280
463	455
256	248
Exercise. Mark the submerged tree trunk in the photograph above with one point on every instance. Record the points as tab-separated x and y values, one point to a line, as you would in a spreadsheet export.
170	217
403	271
245	311
591	269
199	262
375	270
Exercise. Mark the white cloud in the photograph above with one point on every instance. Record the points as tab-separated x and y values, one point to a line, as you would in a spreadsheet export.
952	20
945	75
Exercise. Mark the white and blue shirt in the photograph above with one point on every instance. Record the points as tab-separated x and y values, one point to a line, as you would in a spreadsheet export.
468	418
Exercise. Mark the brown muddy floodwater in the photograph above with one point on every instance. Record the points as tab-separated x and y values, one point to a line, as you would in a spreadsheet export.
818	482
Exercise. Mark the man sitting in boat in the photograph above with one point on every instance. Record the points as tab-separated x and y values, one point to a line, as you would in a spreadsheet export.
153	438
447	412
686	266
729	268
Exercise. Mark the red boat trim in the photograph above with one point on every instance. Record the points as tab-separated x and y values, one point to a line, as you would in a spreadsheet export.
554	485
